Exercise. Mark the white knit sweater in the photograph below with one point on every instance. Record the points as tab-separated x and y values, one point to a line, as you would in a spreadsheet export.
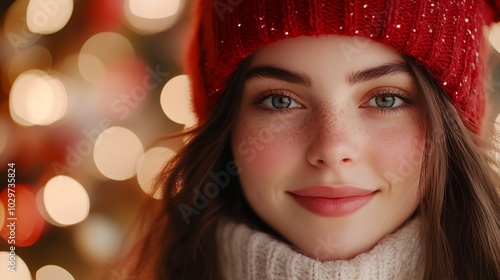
250	254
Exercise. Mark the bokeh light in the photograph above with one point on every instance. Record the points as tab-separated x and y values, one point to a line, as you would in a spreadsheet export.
37	99
22	270
40	204
149	166
154	8
47	17
116	152
94	58
494	36
18	97
65	200
29	223
53	272
151	16
98	239
175	101
91	68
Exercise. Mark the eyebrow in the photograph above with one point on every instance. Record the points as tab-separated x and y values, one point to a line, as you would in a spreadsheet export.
279	74
388	69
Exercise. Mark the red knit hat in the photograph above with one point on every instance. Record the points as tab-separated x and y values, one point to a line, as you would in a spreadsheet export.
446	36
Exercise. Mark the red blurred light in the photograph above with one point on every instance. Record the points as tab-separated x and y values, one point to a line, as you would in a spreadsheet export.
26	221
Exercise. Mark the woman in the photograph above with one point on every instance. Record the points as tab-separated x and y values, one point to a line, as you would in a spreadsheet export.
337	140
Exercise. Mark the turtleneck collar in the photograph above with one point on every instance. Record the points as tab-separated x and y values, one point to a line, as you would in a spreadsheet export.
249	254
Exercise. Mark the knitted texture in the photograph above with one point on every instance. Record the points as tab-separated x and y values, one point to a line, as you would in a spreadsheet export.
250	254
443	35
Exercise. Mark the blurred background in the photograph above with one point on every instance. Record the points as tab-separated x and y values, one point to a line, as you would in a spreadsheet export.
88	89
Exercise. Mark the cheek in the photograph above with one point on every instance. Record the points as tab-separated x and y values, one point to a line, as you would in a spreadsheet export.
260	149
399	154
264	157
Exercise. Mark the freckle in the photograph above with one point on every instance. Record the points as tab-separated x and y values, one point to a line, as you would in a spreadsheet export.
303	129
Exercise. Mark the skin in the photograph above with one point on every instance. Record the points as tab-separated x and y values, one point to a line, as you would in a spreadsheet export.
329	131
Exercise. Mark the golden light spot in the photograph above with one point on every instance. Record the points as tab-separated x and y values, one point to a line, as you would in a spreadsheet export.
149	166
51	272
494	36
116	152
37	99
48	16
151	16
175	101
94	58
40	205
65	200
22	271
154	8
98	239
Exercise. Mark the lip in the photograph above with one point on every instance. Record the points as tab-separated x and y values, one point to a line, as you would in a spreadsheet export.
333	201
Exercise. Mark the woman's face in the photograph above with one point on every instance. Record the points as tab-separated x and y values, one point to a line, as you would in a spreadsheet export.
329	142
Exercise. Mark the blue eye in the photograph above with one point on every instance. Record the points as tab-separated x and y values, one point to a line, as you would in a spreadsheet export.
385	101
277	101
389	99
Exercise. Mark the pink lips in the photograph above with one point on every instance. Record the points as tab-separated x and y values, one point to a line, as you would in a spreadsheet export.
332	201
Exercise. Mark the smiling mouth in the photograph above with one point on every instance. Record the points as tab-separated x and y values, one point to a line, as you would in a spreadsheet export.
330	201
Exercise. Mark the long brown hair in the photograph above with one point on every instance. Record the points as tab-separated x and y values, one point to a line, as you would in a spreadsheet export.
460	206
179	243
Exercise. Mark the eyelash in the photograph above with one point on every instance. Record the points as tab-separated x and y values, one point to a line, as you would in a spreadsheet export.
387	92
262	96
404	96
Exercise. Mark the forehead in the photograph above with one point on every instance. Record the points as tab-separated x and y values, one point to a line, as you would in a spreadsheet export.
326	52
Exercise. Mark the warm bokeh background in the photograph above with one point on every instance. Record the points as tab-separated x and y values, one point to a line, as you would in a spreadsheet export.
88	88
84	90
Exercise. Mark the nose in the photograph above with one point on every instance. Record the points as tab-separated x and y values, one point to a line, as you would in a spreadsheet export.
335	141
